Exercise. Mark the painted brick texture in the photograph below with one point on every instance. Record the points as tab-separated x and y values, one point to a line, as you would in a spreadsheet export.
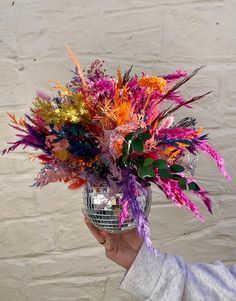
46	252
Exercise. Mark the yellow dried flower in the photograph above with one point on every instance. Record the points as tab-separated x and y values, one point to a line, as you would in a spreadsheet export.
72	110
62	154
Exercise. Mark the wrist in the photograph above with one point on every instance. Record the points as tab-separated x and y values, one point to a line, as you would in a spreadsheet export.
131	258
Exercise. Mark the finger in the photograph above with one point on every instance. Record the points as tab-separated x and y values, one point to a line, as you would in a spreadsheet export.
110	241
94	230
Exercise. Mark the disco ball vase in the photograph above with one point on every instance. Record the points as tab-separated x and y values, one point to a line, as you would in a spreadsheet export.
103	209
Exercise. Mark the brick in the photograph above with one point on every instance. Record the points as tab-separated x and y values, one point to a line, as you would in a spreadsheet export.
76	263
193	245
26	237
126	39
70	232
12	291
182	219
199	32
71	289
227	105
17	198
56	197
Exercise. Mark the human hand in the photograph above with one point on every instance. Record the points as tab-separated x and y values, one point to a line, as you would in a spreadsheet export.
122	248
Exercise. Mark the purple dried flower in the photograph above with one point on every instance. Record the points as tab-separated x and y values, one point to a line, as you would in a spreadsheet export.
174	76
173	191
132	190
43	95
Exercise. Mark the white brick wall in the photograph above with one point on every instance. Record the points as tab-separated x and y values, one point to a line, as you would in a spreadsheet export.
46	253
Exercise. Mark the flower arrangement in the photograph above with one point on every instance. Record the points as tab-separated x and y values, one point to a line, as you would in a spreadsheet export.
119	131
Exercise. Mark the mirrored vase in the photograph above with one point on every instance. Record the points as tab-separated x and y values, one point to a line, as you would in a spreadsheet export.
103	209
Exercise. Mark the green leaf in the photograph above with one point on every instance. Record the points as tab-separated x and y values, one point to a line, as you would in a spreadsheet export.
139	161
145	136
177	168
126	144
193	186
125	149
175	176
182	183
160	163
124	158
164	173
148	162
129	136
146	171
137	145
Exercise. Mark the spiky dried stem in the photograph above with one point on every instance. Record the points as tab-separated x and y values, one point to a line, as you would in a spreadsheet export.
181	82
170	111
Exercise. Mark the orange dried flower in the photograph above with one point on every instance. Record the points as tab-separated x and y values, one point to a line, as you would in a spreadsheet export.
153	82
14	120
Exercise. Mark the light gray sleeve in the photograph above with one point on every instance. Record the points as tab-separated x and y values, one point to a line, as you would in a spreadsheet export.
167	277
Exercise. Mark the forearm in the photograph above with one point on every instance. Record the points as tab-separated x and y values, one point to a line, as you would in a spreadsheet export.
167	277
